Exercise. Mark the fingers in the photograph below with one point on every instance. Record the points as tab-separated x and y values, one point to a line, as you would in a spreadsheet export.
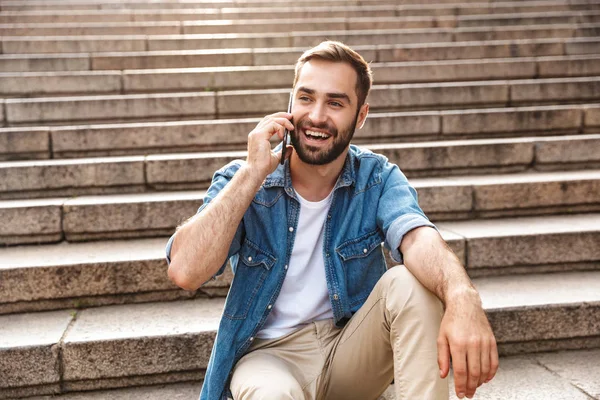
269	127
459	364
485	363
443	356
493	360
473	366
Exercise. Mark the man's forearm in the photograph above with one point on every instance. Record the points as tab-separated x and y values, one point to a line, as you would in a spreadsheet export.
432	262
201	244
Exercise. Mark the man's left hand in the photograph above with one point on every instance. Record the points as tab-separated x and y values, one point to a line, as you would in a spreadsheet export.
466	335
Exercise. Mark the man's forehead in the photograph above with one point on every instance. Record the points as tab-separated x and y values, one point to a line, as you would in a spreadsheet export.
328	77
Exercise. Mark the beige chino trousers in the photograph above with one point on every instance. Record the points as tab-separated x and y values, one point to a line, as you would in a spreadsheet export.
392	336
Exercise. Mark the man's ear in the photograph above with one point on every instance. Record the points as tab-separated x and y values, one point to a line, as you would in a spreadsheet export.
362	115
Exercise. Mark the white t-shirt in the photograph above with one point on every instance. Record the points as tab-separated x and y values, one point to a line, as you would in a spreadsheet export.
303	297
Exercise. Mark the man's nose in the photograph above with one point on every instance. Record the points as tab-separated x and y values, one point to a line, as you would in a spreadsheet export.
318	114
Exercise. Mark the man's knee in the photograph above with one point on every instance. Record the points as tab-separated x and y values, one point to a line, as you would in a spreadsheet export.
268	389
252	381
403	290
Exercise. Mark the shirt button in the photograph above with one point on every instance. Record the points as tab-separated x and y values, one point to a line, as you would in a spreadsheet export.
327	254
249	258
336	297
251	338
285	267
291	229
269	306
365	251
329	216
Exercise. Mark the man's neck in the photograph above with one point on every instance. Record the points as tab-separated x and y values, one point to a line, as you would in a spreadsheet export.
315	182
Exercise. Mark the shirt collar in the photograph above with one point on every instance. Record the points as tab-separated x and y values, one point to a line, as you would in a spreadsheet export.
282	177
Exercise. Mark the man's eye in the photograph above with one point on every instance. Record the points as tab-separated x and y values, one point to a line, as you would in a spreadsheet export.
336	104
304	98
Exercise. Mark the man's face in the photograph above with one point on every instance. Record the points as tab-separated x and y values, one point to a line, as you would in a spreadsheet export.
325	111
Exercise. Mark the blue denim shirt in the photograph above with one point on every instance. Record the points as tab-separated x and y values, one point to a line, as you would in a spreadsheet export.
372	203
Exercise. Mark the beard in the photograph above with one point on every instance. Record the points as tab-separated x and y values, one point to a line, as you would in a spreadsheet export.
316	155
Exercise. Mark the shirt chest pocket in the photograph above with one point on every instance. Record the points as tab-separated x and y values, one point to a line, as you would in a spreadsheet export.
252	270
364	263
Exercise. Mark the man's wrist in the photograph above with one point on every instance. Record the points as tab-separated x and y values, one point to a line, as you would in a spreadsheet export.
459	295
251	176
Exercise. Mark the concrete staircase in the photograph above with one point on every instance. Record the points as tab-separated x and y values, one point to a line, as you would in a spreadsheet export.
114	116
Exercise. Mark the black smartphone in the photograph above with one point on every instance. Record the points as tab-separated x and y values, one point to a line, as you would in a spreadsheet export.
286	132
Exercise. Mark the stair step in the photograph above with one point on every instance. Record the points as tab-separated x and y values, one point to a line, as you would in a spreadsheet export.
291	24
354	37
80	275
149	343
417	96
561	375
437	4
188	136
467	12
158	213
19	84
278	56
60	177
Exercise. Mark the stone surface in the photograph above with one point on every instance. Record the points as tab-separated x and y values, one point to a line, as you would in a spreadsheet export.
531	308
455	70
44	62
41	110
73	270
21	84
580	368
28	348
530	241
522	377
437	195
592	116
244	102
449	155
568	149
400	124
172	59
208	78
23	176
524	119
93	28
514	32
470	50
582	46
24	142
534	190
82	44
570	66
122	216
438	94
543	90
192	169
27	221
179	135
140	339
178	391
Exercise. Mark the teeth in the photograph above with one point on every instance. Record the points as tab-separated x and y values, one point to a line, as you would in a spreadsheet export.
317	134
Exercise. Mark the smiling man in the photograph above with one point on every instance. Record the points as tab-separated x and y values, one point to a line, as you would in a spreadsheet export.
313	312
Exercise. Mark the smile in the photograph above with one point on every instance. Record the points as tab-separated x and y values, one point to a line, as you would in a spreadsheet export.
316	135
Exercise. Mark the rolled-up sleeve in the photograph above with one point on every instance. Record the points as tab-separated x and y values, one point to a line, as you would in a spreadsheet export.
398	210
220	179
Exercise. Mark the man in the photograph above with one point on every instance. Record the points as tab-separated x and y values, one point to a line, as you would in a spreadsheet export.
312	312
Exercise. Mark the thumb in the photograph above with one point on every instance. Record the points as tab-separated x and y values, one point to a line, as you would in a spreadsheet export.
443	356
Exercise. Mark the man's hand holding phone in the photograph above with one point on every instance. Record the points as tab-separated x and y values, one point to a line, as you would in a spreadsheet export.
261	159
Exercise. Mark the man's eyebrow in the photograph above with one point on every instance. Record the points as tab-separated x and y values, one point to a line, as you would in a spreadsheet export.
334	95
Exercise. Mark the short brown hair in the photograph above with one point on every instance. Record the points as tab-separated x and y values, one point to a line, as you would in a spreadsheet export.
339	52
